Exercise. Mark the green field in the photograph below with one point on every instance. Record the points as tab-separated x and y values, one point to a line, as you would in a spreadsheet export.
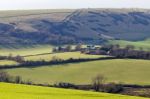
7	62
119	70
14	91
138	44
36	50
25	50
64	56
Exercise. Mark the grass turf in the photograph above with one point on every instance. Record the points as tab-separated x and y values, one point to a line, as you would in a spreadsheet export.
7	62
64	56
138	44
119	70
14	91
25	50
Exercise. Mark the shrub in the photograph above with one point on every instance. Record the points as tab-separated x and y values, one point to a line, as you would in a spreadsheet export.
65	85
112	88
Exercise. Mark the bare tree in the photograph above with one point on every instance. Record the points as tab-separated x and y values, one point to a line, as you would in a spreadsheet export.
98	82
78	47
4	77
18	79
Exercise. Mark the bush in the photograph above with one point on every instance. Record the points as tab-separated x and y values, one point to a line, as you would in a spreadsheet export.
28	82
112	88
98	84
65	85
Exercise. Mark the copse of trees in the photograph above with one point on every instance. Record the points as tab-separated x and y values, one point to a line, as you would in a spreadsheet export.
127	52
124	53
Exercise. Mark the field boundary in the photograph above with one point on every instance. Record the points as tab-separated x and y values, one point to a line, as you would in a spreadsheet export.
31	64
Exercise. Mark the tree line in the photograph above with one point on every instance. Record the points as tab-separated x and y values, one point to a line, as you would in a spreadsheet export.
127	52
97	83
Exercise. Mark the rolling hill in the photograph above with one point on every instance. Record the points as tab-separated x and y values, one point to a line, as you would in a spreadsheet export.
82	73
14	91
139	45
73	26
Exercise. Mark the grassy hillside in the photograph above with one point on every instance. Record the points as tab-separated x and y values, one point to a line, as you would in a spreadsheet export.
41	52
25	50
119	70
72	26
13	91
145	44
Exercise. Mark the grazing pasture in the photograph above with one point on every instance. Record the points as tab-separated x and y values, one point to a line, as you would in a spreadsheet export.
41	52
25	50
63	56
128	71
14	91
145	44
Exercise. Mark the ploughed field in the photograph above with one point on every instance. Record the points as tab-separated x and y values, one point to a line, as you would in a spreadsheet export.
14	91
